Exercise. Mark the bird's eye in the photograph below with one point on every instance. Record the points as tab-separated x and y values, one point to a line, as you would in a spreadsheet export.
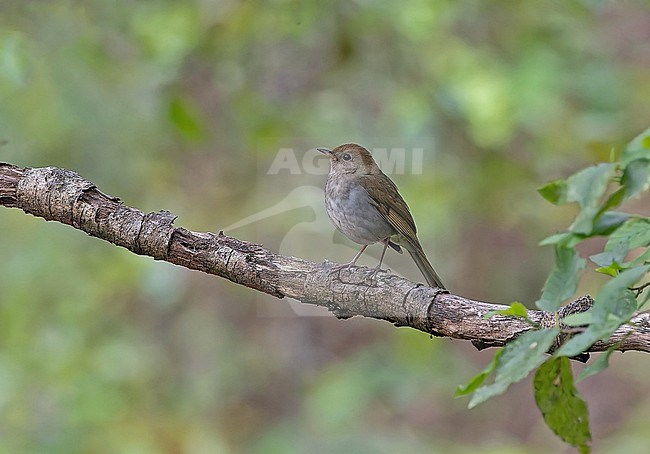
346	157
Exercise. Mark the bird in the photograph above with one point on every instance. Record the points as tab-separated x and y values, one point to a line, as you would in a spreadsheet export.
365	205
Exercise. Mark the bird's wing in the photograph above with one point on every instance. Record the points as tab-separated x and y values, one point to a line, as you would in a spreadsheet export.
386	198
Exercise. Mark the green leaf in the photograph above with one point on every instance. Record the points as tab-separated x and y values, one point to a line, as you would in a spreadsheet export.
639	148
636	177
634	233
619	304
581	342
516	309
563	280
555	191
614	199
587	187
578	319
607	259
613	306
611	270
601	363
477	380
607	222
518	359
487	392
555	238
566	239
563	409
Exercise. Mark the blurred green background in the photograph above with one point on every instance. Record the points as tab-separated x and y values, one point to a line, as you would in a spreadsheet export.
184	105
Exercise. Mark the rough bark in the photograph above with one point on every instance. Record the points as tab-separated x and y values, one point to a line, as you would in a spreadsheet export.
61	195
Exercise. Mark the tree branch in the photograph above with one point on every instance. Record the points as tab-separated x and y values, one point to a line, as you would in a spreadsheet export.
64	196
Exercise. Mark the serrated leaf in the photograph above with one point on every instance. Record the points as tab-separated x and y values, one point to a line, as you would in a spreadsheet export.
598	365
516	309
587	187
563	409
478	379
563	280
518	359
554	191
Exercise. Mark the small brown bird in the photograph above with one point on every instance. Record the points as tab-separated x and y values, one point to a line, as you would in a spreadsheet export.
365	205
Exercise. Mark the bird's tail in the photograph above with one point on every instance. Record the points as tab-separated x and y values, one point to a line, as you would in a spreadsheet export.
427	270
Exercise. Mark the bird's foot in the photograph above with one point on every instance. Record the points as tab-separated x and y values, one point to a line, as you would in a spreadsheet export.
344	266
376	270
348	267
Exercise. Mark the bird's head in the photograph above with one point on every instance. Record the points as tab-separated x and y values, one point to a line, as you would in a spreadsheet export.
351	158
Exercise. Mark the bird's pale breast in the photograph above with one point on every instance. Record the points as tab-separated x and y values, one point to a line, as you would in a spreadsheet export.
348	206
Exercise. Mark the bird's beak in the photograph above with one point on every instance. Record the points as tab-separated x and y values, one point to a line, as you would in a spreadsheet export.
328	152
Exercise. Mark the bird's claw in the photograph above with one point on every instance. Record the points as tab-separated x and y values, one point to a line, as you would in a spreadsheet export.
376	270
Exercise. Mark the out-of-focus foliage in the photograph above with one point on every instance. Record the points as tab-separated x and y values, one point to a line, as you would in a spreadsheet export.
184	106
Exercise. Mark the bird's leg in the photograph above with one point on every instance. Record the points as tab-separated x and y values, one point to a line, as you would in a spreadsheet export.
354	260
381	259
383	252
356	257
